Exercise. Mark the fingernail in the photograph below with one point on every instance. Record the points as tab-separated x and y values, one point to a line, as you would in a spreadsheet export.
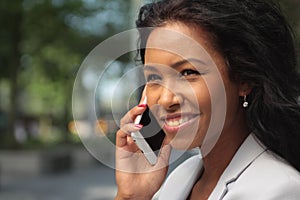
139	125
142	105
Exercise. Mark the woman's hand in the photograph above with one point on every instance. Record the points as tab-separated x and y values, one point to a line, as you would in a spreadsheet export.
136	177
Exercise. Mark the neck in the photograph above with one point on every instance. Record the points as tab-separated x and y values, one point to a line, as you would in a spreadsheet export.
220	156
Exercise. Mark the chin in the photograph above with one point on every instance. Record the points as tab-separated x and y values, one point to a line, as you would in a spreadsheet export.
184	139
182	144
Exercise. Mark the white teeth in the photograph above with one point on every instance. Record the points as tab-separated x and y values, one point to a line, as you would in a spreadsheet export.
177	122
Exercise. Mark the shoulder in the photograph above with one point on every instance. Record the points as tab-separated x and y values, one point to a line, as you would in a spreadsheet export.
276	171
257	173
268	177
272	165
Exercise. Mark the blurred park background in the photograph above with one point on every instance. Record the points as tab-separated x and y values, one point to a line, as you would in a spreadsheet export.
42	45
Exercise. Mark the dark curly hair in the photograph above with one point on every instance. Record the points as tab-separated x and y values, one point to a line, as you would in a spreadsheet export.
258	44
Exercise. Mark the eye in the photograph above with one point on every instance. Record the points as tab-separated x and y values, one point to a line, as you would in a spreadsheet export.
189	72
153	77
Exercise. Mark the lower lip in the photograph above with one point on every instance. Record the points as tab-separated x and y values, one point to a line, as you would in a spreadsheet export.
175	129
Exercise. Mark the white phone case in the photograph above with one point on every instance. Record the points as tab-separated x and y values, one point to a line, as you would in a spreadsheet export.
142	143
144	147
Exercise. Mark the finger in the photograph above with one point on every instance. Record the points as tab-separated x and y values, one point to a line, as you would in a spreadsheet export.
125	132
131	127
130	116
125	146
134	147
121	138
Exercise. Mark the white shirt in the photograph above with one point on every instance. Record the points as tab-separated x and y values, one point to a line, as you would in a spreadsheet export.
254	173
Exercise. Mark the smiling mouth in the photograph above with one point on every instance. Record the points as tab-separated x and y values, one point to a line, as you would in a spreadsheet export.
176	122
179	121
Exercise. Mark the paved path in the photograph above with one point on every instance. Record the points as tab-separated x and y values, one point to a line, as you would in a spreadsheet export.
96	182
93	183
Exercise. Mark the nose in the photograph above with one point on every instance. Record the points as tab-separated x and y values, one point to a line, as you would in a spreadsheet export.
169	99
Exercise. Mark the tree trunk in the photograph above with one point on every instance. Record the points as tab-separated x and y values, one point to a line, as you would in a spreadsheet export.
16	22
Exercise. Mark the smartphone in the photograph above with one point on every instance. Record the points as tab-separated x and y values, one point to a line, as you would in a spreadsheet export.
150	138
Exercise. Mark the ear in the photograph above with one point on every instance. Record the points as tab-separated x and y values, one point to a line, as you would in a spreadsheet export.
244	89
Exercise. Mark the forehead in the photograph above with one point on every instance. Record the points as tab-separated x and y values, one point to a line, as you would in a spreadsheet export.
179	41
180	38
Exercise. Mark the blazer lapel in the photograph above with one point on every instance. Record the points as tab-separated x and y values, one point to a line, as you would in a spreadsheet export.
246	154
180	182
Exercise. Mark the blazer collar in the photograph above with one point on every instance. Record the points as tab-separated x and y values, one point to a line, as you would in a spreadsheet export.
180	182
246	154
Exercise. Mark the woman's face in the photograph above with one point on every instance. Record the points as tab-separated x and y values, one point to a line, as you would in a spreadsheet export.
184	83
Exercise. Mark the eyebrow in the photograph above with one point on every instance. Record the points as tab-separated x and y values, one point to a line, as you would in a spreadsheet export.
176	64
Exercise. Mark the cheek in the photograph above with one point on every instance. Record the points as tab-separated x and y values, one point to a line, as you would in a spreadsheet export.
203	97
152	94
204	103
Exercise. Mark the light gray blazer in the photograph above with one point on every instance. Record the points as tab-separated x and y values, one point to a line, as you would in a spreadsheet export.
254	173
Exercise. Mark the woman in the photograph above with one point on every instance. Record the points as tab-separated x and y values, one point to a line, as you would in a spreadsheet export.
255	155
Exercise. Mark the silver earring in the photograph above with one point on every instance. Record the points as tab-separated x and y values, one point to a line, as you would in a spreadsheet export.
245	103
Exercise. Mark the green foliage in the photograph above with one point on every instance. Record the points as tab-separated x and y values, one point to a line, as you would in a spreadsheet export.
43	43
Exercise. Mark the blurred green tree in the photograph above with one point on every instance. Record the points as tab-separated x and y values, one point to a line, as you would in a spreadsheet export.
11	16
43	43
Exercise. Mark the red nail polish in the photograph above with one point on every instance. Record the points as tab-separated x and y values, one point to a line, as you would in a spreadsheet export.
142	105
139	125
